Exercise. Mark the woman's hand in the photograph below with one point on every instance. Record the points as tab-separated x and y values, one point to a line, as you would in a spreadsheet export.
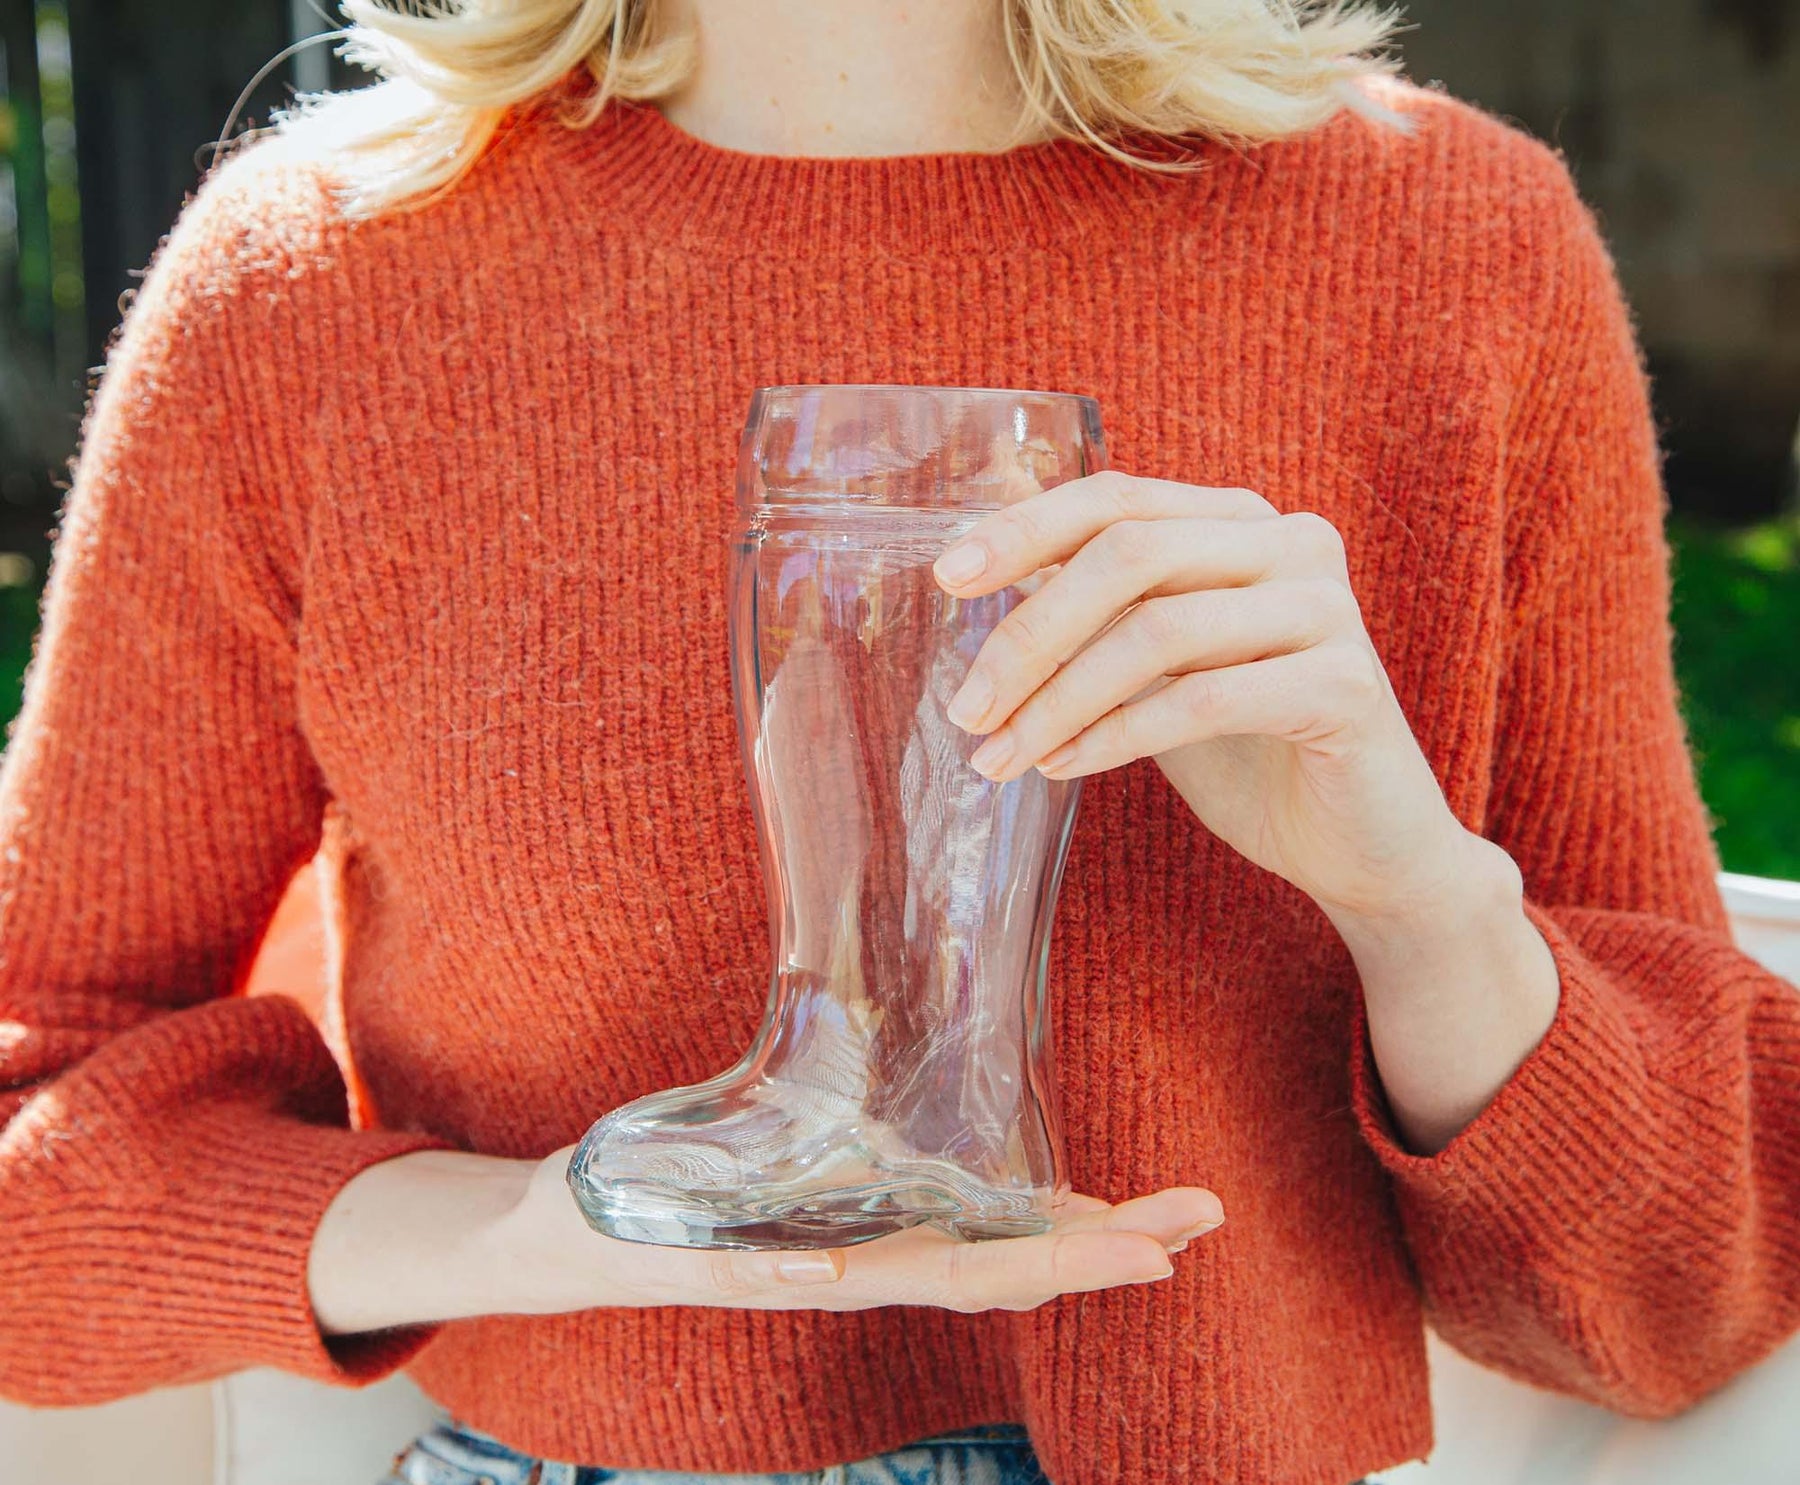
1205	629
442	1235
1092	1246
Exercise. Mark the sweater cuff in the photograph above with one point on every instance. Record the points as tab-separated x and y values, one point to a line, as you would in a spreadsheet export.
1550	1154
219	1243
290	1173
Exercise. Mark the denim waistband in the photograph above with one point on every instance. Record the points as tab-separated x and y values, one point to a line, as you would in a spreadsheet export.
453	1453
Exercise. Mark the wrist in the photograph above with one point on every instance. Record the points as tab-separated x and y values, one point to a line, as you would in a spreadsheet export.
479	1271
1458	990
412	1241
1471	890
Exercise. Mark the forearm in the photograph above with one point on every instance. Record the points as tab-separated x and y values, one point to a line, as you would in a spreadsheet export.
415	1240
1459	988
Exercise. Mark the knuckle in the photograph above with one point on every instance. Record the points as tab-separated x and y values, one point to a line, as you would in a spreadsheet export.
1251	500
1356	672
1162	623
1114	486
1024	526
725	1272
1131	545
1117	734
963	1290
1057	699
1349	611
1316	535
1196	697
961	1280
1329	601
1025	631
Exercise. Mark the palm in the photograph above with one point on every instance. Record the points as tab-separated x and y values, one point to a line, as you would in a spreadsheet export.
1092	1245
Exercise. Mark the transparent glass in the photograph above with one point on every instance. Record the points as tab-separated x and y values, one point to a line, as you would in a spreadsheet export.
902	1072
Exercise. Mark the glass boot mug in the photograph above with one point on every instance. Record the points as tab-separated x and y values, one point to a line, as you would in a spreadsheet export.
902	1073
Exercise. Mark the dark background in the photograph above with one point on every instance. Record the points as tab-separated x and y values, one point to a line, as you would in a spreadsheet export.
1681	119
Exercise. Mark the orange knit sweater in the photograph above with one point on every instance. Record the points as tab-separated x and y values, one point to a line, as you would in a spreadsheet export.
406	540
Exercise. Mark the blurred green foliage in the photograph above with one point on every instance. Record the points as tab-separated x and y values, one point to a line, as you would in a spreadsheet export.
1737	622
18	622
1737	650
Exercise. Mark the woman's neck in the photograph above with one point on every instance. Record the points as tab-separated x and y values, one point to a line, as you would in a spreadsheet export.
853	77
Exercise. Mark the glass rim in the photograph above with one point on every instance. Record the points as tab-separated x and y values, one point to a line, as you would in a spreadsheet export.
996	393
781	413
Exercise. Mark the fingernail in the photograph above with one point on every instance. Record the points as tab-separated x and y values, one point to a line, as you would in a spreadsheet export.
970	704
1180	1247
1200	1227
1052	761
992	755
961	564
1168	1269
808	1268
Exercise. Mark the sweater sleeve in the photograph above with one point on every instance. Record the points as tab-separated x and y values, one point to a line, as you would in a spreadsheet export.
169	1145
1623	1221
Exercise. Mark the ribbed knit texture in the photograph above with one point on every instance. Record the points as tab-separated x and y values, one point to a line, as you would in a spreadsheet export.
411	536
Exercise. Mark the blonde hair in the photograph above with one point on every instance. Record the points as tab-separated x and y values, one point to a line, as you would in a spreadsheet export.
1244	71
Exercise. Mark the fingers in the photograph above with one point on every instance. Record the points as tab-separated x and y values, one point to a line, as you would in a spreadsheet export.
1174	1215
1161	637
927	1268
1028	1272
1299	697
1012	543
1093	1246
1125	562
737	1275
1131	582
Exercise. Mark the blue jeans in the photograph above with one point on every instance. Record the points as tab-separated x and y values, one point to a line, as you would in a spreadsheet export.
997	1454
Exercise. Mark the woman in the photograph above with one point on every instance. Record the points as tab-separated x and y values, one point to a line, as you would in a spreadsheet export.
398	535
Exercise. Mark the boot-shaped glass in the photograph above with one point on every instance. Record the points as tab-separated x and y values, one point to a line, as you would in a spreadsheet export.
902	1073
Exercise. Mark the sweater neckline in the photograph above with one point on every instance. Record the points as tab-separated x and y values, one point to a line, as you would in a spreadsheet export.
641	171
